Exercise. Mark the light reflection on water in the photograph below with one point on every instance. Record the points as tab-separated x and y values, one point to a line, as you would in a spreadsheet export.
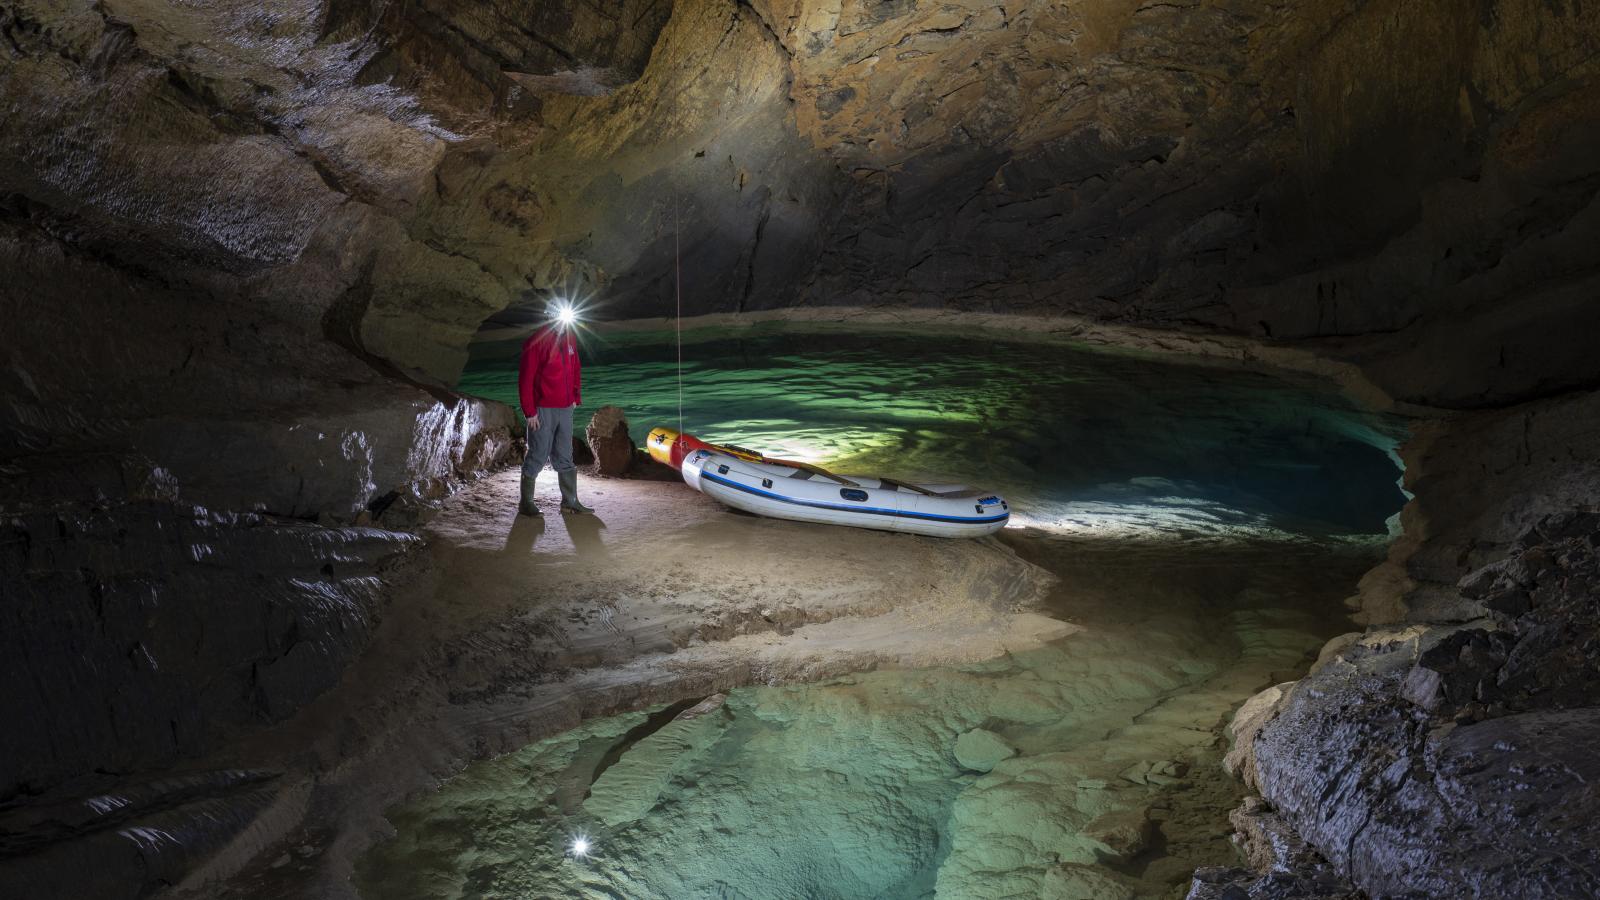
850	788
1078	438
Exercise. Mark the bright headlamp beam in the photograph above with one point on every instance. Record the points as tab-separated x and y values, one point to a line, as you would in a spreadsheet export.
565	314
580	846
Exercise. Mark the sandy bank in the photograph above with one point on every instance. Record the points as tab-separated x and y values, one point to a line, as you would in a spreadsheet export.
516	629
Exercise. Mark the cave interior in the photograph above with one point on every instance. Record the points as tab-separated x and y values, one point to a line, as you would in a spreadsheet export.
1274	321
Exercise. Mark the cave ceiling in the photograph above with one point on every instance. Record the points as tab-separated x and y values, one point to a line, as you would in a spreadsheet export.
395	174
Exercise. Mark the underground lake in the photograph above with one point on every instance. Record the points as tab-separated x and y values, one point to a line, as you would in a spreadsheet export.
1268	326
1201	525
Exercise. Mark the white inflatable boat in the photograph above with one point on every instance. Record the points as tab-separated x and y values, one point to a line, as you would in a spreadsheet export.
805	493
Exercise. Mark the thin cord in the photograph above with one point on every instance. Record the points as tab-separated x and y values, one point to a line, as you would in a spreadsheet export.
677	265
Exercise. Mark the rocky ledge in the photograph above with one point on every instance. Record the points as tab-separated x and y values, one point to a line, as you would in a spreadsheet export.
1448	751
475	645
162	598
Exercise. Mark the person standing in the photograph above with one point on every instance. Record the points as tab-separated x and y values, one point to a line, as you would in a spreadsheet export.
550	385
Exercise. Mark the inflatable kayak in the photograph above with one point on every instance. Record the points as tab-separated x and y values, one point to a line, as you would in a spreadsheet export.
783	489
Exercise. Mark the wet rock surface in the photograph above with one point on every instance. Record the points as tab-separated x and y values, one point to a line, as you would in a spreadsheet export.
520	630
151	631
1456	760
244	246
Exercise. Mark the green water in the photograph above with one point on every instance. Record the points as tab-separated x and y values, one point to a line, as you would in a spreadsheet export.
1204	523
850	789
1076	437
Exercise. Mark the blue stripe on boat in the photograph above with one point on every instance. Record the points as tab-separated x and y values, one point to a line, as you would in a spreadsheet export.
854	509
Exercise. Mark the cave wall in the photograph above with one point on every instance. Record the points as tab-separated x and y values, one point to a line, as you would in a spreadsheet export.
244	247
1415	175
1412	178
1419	172
202	471
1447	750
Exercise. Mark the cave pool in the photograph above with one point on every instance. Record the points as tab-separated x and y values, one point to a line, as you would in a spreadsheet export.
1204	521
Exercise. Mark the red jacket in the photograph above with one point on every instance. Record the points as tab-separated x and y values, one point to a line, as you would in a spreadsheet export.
550	376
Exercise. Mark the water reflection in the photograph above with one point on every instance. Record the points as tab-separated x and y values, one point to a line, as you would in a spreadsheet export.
1078	437
1205	524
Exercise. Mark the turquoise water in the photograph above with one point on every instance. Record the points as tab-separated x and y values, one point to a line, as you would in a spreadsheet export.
1076	437
1204	524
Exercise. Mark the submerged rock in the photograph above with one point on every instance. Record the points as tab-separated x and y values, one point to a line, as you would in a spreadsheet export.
1121	833
980	750
629	788
1071	881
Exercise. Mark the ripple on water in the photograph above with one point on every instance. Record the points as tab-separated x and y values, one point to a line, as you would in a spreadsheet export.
851	788
1205	523
1075	436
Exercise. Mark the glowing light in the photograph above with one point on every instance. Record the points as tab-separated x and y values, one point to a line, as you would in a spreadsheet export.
580	846
566	314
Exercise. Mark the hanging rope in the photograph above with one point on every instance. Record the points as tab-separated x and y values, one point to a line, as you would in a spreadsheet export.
677	268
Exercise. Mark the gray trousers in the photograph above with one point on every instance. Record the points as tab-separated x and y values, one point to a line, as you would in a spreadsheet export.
552	441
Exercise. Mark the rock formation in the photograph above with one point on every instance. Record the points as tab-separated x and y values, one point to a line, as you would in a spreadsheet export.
980	750
609	440
1446	751
244	247
627	789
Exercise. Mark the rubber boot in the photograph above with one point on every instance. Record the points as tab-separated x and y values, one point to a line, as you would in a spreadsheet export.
527	507
569	492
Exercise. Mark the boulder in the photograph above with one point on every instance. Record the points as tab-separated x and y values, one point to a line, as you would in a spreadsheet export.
581	454
980	750
608	435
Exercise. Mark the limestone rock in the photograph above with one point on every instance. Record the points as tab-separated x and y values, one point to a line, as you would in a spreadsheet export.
1075	881
138	671
581	454
1242	730
1233	883
396	174
612	446
1424	734
631	786
141	838
980	750
1421	687
1121	834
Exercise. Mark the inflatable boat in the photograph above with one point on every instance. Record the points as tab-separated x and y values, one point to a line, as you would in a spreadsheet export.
784	489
